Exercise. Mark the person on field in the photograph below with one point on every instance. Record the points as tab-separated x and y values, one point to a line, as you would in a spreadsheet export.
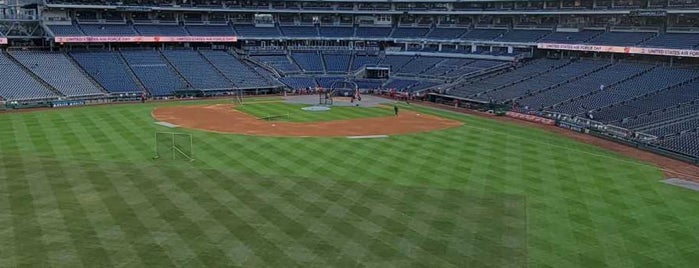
395	109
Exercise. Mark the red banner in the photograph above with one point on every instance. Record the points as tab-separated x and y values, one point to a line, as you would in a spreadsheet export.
531	118
3	40
627	50
144	39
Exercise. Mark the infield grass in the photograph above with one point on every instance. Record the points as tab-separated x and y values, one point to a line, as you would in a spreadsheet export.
293	112
78	188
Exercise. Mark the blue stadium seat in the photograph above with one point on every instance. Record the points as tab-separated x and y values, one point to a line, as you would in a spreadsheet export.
373	31
337	62
299	31
523	36
17	84
196	70
299	82
242	75
336	31
483	34
446	33
410	32
161	30
249	30
66	30
108	69
59	71
210	30
308	61
108	30
278	62
150	67
621	38
570	37
674	40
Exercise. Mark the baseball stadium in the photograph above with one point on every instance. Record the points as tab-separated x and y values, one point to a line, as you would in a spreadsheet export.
341	133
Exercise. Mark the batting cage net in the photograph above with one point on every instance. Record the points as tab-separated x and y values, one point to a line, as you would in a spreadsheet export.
174	146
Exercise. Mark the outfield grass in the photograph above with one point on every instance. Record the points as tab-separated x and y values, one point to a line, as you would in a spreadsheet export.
293	112
78	188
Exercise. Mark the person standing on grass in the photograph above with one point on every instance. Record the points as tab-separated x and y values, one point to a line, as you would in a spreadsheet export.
395	109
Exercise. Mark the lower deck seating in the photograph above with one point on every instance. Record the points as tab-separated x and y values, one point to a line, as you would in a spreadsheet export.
337	62
279	62
308	61
240	74
108	69
652	81
17	84
57	70
196	69
150	67
298	83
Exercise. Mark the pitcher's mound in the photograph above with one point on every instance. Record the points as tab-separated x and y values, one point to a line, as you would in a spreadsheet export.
224	119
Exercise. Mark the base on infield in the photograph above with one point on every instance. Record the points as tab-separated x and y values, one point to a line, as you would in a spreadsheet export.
166	124
682	183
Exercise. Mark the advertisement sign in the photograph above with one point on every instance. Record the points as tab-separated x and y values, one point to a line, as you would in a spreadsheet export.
66	103
627	50
143	39
531	118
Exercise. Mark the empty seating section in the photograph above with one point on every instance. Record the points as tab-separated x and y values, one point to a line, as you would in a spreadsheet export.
570	37
368	83
68	79
543	80
300	82
240	74
336	31
674	40
446	33
400	84
583	86
686	143
108	30
408	85
644	121
249	30
161	30
652	81
327	82
360	61
471	88
528	36
153	71
410	32
596	37
299	31
279	62
419	65
454	67
308	61
374	32
108	69
337	63
675	128
650	103
66	30
483	34
210	30
621	38
396	61
17	84
196	69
